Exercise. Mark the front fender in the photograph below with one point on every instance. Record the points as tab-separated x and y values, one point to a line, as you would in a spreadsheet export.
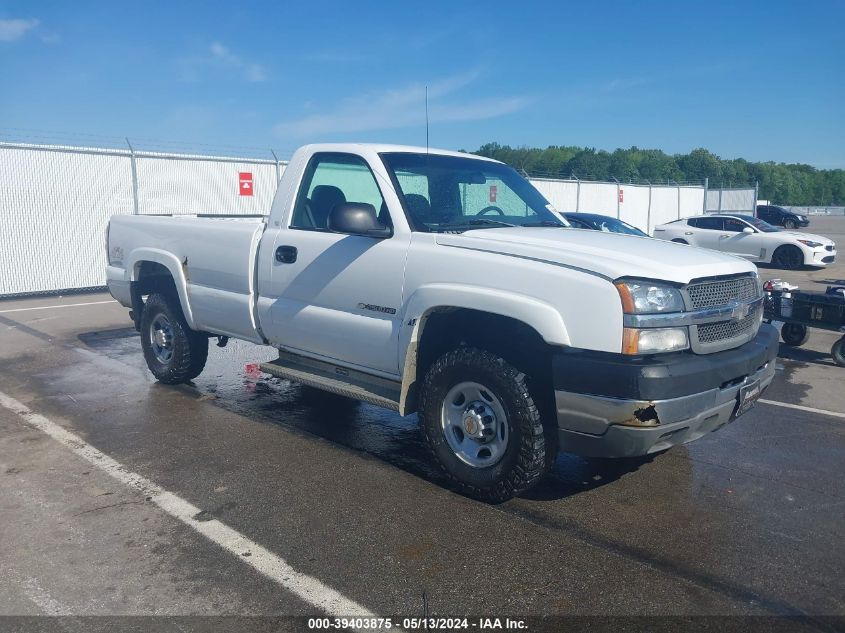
172	264
540	316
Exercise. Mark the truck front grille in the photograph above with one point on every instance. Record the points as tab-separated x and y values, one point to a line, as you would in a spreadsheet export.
724	331
715	293
720	292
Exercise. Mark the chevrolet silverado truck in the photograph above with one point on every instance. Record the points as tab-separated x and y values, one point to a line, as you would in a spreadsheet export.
444	284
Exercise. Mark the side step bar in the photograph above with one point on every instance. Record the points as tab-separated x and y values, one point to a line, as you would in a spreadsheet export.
335	379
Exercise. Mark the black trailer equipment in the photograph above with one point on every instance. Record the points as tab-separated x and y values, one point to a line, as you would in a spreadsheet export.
799	310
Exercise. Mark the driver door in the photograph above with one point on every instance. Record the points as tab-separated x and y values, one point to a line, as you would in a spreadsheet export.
337	297
733	240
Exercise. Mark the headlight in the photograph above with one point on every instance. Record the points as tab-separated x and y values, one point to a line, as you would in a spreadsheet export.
654	340
645	297
810	243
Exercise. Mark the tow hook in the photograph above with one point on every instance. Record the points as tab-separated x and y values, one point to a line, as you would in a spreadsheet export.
222	341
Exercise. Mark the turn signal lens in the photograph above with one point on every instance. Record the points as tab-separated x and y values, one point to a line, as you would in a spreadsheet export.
654	340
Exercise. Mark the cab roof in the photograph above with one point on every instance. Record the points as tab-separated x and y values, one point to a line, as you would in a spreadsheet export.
382	148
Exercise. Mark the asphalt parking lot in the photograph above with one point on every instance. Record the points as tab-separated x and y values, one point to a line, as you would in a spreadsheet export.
246	495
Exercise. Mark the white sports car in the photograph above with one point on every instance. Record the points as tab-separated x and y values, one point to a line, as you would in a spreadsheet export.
751	238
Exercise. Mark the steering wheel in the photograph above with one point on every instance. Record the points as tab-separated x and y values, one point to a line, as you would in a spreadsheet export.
492	207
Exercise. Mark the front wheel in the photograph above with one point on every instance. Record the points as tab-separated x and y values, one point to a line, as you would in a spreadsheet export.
794	334
789	224
838	352
482	425
788	257
678	240
173	351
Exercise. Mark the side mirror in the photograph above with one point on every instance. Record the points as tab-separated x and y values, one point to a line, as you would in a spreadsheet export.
354	218
748	229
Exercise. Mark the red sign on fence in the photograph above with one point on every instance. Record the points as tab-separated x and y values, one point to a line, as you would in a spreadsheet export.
245	183
621	195
493	191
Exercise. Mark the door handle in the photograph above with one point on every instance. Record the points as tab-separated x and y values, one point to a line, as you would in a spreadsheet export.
286	254
724	236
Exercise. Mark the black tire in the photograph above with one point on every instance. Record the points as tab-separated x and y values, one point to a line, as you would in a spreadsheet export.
789	224
523	461
188	349
678	240
838	352
788	257
794	334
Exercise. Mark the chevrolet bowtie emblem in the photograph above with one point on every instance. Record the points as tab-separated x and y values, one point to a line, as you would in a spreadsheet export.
739	311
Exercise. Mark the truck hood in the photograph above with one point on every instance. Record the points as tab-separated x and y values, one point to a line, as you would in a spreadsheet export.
611	255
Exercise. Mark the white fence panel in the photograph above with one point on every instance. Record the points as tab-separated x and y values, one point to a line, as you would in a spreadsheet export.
190	186
563	194
634	206
598	197
731	200
54	207
692	201
664	205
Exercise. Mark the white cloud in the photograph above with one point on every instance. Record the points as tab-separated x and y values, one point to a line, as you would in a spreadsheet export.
251	71
11	30
403	107
221	52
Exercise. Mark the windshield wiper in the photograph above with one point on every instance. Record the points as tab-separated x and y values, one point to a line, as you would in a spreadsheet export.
474	222
545	223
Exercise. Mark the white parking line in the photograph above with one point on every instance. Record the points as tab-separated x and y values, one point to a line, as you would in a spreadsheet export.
63	305
801	407
305	587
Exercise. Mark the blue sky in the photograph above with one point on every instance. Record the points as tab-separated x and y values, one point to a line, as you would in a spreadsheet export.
760	80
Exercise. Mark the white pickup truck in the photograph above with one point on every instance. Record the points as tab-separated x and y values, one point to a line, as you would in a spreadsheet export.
444	284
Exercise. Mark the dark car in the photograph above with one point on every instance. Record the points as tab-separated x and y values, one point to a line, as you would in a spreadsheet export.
779	216
604	223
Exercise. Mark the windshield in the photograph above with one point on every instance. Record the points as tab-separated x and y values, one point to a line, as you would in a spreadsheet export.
452	193
612	225
759	224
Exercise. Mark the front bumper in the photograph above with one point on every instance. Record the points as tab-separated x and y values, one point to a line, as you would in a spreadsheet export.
822	257
644	405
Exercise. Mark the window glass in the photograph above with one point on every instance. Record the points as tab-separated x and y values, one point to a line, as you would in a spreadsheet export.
735	226
333	179
713	224
760	225
453	193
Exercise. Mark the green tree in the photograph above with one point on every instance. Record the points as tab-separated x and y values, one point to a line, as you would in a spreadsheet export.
789	184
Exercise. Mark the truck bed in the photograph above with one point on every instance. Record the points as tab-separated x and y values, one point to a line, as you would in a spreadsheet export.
217	256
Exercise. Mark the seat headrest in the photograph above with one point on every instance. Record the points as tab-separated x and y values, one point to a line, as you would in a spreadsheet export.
419	207
324	198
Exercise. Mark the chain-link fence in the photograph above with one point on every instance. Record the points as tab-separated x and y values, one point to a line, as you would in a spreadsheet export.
55	202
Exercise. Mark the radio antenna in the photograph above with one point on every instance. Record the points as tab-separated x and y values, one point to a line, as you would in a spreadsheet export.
426	120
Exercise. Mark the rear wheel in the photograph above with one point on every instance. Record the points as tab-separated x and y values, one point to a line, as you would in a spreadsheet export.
788	257
838	352
173	351
794	334
482	425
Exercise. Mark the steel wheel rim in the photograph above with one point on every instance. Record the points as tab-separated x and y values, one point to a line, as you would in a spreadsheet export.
474	424
161	338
